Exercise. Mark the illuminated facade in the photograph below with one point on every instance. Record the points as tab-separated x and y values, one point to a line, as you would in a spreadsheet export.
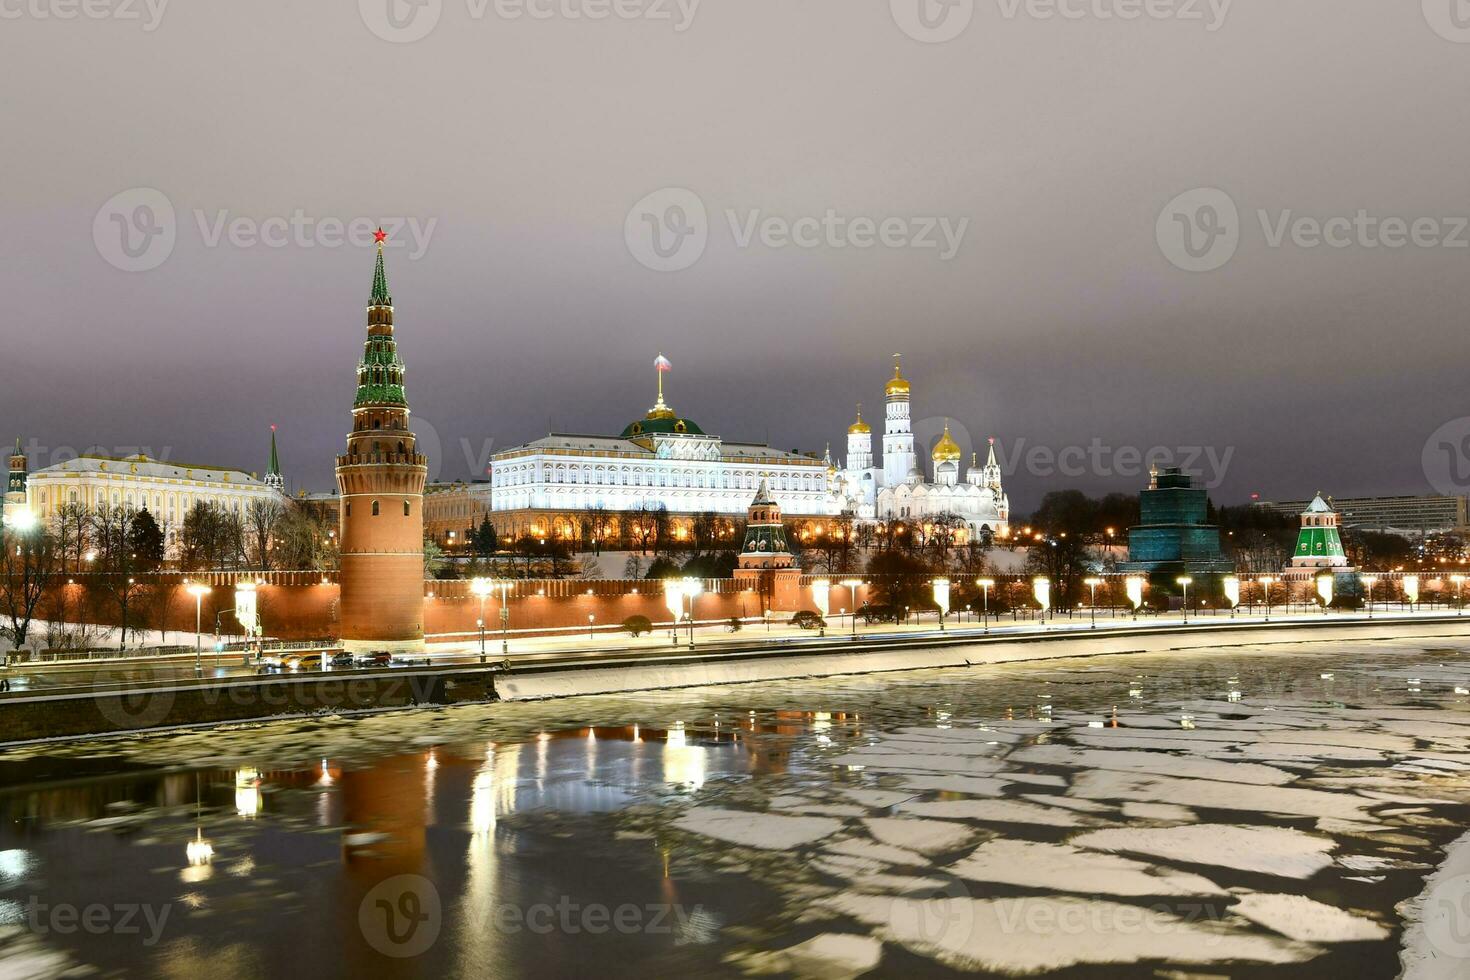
659	462
895	488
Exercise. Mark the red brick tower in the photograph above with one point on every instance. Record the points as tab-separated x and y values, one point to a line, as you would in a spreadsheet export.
381	479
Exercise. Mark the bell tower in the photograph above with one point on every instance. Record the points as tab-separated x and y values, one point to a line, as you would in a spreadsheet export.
381	480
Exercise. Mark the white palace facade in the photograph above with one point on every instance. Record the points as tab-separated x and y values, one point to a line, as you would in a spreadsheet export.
660	462
896	489
167	490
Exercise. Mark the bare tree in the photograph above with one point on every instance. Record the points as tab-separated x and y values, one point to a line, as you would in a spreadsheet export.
26	568
262	519
69	526
119	575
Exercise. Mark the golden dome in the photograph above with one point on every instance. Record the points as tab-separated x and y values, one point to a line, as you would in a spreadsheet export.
946	450
897	385
859	428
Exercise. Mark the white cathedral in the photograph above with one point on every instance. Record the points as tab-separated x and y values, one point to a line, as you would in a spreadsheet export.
897	489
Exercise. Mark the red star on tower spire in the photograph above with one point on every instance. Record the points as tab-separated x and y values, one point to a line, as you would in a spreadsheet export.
380	236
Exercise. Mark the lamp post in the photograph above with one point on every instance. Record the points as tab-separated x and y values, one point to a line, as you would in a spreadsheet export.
941	599
1459	581
198	591
852	586
1186	582
986	584
590	620
1093	583
1370	581
691	588
1266	582
504	586
481	588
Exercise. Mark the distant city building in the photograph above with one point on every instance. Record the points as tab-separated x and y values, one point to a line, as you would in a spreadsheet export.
1173	537
898	490
1319	543
1405	515
453	511
662	461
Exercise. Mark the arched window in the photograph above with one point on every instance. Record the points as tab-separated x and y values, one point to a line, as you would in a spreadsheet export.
405	508
375	508
349	508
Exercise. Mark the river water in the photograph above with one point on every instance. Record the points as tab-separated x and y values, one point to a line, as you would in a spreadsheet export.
1245	812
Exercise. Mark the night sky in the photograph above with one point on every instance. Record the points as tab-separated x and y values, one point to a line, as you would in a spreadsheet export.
525	142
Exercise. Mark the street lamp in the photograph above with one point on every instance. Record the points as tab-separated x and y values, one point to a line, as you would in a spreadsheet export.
1266	582
504	586
1370	581
941	599
852	586
1459	581
1185	581
1093	583
590	620
481	587
985	584
1041	589
198	591
691	587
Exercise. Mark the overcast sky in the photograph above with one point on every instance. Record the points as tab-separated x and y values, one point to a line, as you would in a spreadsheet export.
520	148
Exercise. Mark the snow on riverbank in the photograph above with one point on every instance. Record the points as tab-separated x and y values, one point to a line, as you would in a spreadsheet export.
1437	938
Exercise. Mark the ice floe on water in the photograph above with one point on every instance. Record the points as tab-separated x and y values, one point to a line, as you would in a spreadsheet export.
1279	851
1299	917
976	818
1063	868
1022	936
767	831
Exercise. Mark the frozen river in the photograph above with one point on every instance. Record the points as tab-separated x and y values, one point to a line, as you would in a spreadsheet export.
1250	812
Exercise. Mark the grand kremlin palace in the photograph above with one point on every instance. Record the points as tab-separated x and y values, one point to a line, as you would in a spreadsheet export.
660	462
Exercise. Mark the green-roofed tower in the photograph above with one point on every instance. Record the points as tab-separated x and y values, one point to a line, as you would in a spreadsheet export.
273	478
1319	543
381	481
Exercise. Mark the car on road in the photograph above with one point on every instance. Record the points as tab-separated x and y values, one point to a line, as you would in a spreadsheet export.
378	658
340	659
307	661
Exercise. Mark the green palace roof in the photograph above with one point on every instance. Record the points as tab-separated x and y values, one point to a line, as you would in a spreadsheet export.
678	426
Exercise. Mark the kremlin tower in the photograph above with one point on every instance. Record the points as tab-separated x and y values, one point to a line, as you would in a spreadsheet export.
381	480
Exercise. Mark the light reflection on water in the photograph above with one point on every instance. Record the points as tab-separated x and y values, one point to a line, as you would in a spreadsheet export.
507	818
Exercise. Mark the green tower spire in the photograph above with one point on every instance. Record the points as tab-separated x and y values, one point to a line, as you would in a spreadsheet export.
380	372
380	276
273	478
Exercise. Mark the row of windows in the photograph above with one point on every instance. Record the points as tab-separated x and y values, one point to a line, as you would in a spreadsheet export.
161	504
639	477
377	509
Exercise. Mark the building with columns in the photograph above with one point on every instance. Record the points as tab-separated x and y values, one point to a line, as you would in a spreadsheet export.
381	479
168	490
897	489
663	461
